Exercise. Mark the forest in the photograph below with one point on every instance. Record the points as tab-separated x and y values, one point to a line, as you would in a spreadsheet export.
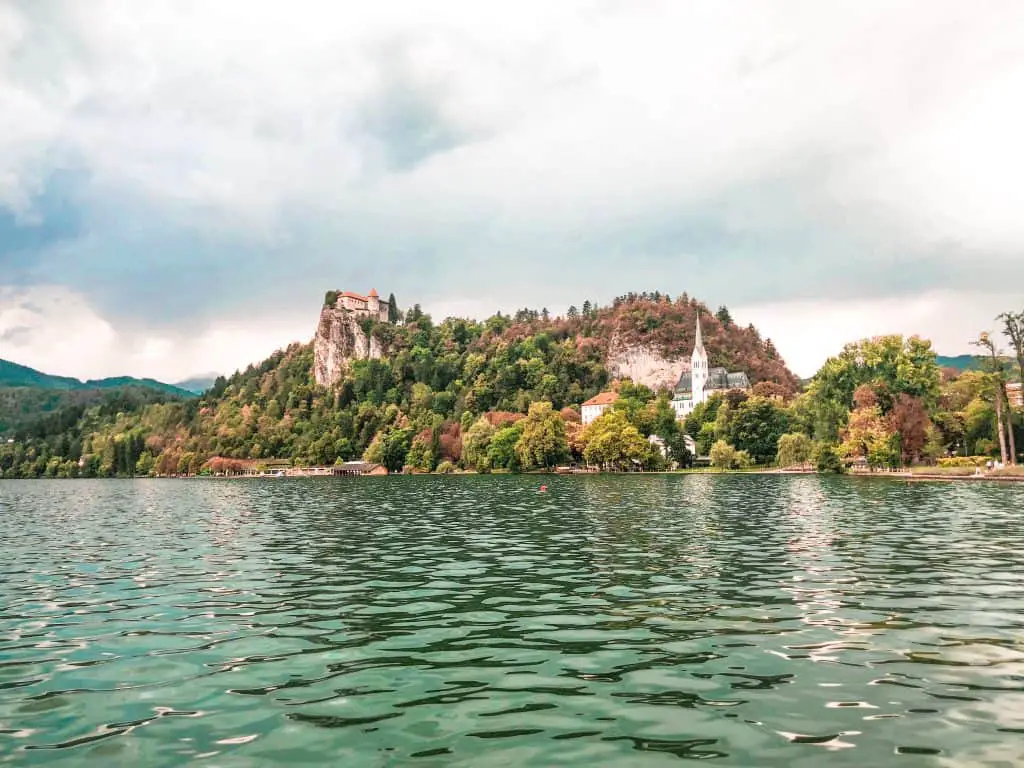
504	395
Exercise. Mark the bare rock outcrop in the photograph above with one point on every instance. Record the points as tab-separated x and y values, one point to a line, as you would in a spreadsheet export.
645	365
340	339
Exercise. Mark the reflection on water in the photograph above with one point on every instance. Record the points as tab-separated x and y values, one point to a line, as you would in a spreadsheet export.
753	620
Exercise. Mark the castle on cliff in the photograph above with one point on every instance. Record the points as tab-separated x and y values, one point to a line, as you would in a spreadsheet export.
363	306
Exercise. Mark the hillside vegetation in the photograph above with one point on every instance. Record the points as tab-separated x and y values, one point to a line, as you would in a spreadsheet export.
417	405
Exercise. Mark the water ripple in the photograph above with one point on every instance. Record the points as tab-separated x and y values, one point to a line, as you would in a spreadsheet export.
747	620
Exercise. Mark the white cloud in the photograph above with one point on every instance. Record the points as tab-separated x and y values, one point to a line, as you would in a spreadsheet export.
54	330
808	332
750	154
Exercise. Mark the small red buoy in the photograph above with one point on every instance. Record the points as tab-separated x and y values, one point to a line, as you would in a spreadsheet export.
543	488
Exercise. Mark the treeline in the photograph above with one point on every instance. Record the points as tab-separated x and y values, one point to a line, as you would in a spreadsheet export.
504	394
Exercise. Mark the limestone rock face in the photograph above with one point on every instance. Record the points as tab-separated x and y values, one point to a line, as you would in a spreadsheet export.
339	340
645	365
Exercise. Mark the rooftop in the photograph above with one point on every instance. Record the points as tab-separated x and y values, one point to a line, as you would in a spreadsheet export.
604	398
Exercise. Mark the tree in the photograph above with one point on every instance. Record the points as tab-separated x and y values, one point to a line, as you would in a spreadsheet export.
421	452
910	422
501	453
477	441
1013	329
869	437
393	314
826	460
997	380
722	455
390	447
330	298
794	448
723	315
633	401
543	442
771	389
611	442
587	308
668	428
892	365
756	426
573	313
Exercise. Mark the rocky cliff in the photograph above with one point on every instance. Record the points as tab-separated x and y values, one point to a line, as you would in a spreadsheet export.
340	339
644	364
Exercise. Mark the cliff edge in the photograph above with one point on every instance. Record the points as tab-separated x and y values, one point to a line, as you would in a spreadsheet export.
340	338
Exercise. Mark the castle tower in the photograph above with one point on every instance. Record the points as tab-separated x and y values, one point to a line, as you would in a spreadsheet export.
373	301
698	366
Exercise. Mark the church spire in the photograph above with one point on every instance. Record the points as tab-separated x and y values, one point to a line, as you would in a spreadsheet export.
698	344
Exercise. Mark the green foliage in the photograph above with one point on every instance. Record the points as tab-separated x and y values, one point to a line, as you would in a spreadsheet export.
756	427
330	298
543	442
501	453
439	380
892	365
794	448
421	453
390	447
826	459
723	455
476	443
612	442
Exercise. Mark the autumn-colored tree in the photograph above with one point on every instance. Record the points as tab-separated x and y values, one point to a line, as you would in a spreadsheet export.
771	390
868	436
910	422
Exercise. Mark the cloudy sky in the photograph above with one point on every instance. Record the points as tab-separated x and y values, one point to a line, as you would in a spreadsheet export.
181	181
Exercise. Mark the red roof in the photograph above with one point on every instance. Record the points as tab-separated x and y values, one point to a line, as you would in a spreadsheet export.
351	295
604	398
373	293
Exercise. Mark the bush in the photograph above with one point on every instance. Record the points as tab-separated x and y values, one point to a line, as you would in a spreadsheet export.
826	460
963	461
445	468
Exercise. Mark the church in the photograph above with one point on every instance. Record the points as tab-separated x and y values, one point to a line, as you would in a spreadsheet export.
700	382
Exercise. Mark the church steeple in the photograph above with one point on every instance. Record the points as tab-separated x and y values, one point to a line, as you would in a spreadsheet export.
698	366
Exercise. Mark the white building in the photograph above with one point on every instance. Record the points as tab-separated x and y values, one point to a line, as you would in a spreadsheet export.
369	305
595	406
701	381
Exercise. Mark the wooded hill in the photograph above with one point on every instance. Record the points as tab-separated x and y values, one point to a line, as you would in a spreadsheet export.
436	381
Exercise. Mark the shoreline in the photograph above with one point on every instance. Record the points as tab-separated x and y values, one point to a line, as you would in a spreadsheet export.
905	476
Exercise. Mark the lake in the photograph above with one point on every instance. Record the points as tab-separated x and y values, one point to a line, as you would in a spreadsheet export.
471	621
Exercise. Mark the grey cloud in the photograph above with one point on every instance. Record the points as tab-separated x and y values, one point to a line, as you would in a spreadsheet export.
244	178
18	335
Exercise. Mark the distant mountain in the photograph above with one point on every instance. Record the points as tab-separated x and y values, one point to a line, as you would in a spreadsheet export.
15	375
960	362
198	384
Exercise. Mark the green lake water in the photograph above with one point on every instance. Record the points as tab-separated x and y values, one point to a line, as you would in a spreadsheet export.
472	621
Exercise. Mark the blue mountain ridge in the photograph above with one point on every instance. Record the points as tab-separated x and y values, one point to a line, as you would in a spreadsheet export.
15	375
